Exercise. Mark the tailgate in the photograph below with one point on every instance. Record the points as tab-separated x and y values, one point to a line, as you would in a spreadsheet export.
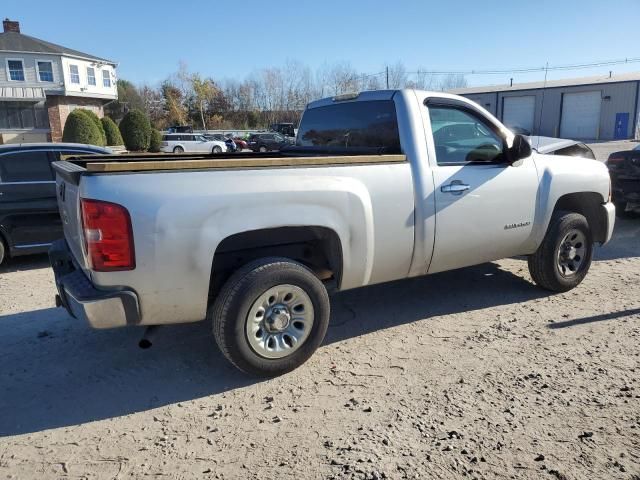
67	192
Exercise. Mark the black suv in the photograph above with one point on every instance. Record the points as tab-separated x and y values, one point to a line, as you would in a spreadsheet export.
29	219
624	168
265	142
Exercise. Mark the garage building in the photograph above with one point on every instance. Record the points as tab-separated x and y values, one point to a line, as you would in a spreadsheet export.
588	108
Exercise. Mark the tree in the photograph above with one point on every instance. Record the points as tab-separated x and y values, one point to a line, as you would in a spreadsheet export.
80	128
204	92
136	131
174	109
155	140
111	131
452	80
128	98
94	118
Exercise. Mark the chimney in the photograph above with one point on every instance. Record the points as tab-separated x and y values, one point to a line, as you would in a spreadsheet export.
11	26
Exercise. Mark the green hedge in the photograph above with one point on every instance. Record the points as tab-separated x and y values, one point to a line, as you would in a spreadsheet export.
80	128
111	132
94	118
155	141
136	131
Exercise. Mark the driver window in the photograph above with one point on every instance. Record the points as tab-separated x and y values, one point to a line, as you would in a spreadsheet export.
461	137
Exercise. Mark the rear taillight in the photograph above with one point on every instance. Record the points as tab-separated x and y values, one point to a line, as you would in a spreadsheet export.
615	160
108	236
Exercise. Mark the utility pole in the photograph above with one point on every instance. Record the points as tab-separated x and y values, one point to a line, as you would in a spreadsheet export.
387	77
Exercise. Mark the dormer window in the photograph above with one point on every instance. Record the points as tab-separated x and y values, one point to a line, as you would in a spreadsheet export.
74	74
91	76
106	79
15	68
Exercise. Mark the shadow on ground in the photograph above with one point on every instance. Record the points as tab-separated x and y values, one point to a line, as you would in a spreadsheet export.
27	262
55	371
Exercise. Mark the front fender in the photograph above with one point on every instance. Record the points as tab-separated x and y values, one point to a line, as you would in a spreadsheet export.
560	176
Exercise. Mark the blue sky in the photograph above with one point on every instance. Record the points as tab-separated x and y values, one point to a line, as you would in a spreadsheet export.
232	39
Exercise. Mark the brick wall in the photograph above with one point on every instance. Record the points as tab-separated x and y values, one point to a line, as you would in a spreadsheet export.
60	107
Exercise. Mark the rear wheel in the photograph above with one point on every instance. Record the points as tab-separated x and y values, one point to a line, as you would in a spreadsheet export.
178	150
263	149
216	149
564	257
2	251
270	316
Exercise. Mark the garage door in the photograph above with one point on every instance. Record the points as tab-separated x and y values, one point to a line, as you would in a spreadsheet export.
580	115
518	112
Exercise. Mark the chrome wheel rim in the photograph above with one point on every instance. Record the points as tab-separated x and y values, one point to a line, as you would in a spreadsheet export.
571	253
279	321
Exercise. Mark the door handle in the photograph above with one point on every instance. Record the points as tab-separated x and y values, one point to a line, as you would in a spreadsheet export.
455	187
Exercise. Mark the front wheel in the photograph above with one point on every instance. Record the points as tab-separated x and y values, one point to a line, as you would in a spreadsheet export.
564	257
270	316
263	149
178	150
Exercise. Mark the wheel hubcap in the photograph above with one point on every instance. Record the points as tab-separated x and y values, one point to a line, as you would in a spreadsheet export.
571	253
279	321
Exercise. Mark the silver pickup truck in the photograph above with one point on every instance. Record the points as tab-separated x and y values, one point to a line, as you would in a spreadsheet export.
380	186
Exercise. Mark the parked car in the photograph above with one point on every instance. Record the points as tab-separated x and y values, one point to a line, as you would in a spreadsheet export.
255	246
29	218
241	143
561	146
285	129
266	142
190	143
624	168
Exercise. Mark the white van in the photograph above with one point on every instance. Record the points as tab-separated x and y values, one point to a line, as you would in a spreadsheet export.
190	143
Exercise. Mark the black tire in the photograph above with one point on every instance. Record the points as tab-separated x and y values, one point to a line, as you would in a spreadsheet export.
229	314
178	150
216	150
544	265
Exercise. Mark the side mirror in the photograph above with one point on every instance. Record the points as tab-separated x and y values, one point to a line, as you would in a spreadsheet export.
520	149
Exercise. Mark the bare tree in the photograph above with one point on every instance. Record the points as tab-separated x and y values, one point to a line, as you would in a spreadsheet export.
451	81
397	75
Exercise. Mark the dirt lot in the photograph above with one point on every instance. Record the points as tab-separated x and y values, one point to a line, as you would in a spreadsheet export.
474	373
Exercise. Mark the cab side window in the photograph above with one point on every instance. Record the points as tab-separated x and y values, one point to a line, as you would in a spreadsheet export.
460	136
26	167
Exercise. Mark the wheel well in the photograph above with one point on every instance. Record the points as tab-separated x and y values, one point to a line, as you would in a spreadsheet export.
318	248
587	204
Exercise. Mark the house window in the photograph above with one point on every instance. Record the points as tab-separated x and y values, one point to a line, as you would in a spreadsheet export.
16	70
106	79
74	74
91	76
23	115
45	71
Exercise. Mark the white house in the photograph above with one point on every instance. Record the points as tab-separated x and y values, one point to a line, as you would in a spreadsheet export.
40	83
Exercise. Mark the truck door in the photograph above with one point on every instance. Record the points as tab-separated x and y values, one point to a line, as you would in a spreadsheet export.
28	208
484	206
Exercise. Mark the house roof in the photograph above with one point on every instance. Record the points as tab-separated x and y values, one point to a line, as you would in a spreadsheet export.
567	82
18	42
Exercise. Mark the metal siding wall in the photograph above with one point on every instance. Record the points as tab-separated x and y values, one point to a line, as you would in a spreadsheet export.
623	99
483	99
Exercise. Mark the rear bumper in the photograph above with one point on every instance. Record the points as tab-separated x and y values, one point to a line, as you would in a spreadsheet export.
609	211
99	308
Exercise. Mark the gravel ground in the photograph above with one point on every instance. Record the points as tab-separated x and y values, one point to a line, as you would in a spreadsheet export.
474	373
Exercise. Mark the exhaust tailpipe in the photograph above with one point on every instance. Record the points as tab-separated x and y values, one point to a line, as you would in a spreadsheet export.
147	339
